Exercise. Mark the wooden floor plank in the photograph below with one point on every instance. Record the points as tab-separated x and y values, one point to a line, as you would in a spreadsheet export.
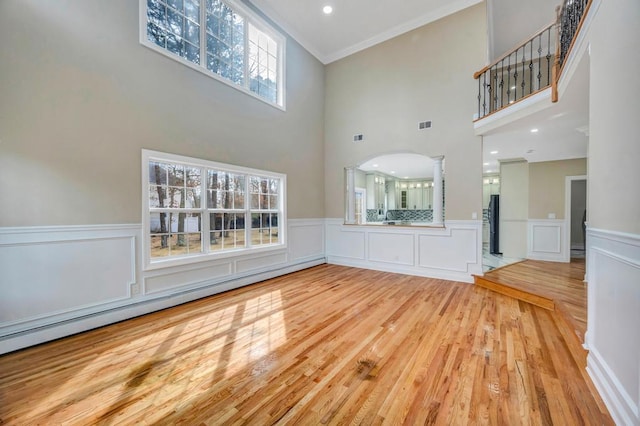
552	285
327	345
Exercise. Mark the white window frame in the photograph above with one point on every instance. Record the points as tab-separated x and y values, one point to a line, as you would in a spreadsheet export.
206	255
249	16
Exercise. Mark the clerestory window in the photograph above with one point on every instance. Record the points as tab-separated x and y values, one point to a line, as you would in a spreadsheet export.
196	209
223	39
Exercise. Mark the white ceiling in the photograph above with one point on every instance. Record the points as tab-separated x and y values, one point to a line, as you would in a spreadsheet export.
354	25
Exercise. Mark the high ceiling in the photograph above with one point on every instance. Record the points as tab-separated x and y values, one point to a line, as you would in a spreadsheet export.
353	25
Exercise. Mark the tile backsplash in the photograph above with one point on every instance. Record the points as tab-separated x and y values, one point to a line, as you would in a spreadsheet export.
425	215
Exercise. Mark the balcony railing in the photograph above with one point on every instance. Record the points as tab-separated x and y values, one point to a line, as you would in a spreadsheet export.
569	23
518	74
532	66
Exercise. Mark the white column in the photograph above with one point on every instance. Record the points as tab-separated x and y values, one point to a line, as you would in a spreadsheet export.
351	195
438	200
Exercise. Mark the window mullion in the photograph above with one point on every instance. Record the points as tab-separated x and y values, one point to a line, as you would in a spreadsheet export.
204	209
203	33
247	210
247	76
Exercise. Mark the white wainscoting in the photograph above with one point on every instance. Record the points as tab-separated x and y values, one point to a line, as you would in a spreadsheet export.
57	281
613	331
453	252
546	240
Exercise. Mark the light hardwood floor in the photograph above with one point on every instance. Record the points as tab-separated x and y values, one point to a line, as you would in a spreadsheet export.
328	345
560	283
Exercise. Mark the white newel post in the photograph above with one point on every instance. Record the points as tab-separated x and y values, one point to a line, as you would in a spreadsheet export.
438	200
351	195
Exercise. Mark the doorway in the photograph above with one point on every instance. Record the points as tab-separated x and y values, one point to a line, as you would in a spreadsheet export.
576	215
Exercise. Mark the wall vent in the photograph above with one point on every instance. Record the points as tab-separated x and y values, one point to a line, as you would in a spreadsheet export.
358	138
424	125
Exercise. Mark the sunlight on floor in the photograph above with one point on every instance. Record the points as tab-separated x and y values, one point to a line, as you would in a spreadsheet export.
263	330
220	344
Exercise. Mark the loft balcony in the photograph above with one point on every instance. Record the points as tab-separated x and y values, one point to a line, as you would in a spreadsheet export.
528	79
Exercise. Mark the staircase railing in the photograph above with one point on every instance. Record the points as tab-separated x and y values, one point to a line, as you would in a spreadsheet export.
570	20
518	74
534	65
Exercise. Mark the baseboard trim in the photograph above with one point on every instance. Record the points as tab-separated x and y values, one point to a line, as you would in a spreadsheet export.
621	407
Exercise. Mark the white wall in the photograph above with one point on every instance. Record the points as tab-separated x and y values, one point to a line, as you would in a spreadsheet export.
62	280
452	252
613	212
384	92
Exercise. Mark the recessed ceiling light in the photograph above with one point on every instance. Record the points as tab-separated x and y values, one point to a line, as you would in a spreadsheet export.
406	177
513	87
534	130
392	172
489	171
493	152
375	165
327	10
485	164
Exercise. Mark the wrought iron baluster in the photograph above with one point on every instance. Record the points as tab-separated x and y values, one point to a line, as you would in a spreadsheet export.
479	88
484	93
530	67
515	77
549	56
495	88
522	84
509	80
502	84
539	75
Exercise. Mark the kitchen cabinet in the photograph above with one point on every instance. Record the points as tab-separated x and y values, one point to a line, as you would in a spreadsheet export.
414	195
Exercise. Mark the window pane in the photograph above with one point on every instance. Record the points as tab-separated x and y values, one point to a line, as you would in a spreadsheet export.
192	9
175	198
256	220
238	200
227	231
175	22
192	33
216	220
195	243
176	4
225	42
159	223
263	59
274	185
159	246
158	173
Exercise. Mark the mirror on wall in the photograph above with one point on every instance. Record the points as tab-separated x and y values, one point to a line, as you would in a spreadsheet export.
394	189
